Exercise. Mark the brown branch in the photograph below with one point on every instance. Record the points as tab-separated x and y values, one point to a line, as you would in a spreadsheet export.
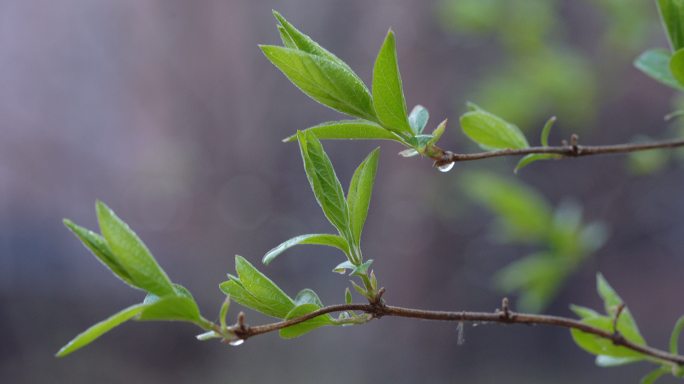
573	150
501	317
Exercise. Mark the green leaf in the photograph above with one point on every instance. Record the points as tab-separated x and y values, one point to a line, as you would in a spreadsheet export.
360	192
611	301
437	133
532	157
172	308
492	131
347	296
263	288
420	142
324	182
323	80
546	131
656	64
306	326
342	267
240	295
602	346
525	214
418	119
99	247
388	93
677	66
287	40
672	17
358	288
100	328
350	129
132	254
224	312
306	44
584	312
654	375
307	296
361	269
325	239
151	298
675	336
610	361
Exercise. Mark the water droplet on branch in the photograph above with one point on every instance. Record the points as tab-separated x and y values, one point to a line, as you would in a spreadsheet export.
236	342
446	167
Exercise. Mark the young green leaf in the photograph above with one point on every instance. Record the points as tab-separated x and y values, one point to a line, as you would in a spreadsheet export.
132	254
151	298
677	65
611	301
601	346
584	312
420	142
359	195
307	296
306	326
361	269
672	17
324	80
224	312
437	133
324	182
610	361
285	37
491	131
656	64
325	239
263	288
351	129
100	328
675	336
546	131
418	119
532	157
239	294
347	296
342	267
654	375
388	92
358	288
306	44
172	308
98	246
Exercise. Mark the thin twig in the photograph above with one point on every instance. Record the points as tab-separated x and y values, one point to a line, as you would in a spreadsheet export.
572	150
496	317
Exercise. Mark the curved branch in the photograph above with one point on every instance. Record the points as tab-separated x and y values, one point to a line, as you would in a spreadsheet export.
505	317
574	150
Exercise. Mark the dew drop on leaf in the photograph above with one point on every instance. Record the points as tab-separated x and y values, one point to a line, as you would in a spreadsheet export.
446	167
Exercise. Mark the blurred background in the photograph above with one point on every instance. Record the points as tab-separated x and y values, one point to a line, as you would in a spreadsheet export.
169	113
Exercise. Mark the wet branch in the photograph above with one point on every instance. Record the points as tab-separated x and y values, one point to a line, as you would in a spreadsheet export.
572	150
506	316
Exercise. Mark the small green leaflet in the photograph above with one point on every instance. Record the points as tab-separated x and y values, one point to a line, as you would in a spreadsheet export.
420	142
172	308
285	37
654	375
306	326
331	240
324	80
239	294
350	129
611	301
600	346
491	131
388	92
360	190
677	66
534	157
342	267
98	246
362	269
325	184
672	17
656	64
675	336
100	328
418	119
308	296
263	288
132	254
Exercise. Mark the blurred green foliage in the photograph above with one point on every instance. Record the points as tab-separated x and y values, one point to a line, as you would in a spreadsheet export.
544	73
525	217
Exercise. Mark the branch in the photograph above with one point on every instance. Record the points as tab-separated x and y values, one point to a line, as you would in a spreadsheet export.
565	150
501	317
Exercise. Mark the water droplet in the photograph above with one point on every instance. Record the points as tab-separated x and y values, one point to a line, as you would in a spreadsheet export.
446	167
236	342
